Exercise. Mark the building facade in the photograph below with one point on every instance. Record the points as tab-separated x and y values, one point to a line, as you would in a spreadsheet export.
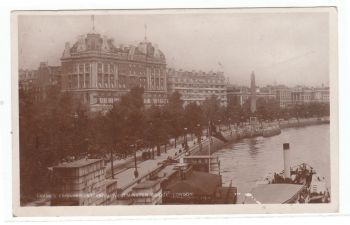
48	75
241	95
40	80
98	72
82	182
302	95
197	86
27	79
283	96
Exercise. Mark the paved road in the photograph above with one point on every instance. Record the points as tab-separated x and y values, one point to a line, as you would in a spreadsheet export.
126	177
121	165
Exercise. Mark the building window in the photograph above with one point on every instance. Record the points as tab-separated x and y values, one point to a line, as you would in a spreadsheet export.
75	81
111	80
87	80
105	80
99	80
81	68
87	67
81	80
69	81
105	68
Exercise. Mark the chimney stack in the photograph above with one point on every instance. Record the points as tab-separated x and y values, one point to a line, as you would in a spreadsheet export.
286	158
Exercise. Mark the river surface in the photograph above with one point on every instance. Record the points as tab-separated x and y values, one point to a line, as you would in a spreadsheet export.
247	160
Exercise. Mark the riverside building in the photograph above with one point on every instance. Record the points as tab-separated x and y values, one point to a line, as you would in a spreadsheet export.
241	95
304	95
98	72
283	95
197	86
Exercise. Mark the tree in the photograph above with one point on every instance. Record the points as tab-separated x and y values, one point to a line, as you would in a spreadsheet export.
194	119
211	108
157	132
193	116
135	114
47	135
233	111
122	126
174	114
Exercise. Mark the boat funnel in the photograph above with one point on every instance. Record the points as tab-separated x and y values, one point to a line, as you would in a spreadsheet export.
286	158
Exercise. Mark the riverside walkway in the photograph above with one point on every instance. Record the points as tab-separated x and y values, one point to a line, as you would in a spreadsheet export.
126	178
124	168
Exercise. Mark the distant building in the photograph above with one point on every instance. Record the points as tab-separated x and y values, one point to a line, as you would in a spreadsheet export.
48	75
240	95
283	95
197	86
27	79
98	72
303	95
40	80
82	182
322	94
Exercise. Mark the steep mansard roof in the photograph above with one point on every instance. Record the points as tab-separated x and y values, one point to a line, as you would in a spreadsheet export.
96	42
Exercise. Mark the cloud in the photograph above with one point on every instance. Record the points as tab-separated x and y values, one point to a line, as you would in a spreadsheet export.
289	48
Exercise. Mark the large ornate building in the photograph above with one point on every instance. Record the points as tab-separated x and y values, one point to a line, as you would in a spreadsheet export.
196	86
98	72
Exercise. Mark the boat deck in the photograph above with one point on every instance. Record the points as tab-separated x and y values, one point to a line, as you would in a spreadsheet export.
273	194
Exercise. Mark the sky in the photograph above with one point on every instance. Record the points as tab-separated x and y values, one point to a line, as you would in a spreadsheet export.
281	48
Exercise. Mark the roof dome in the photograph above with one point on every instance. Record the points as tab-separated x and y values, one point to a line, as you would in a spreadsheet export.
146	48
93	42
96	42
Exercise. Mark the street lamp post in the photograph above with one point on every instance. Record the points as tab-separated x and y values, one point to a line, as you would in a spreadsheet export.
229	125
74	144
209	153
185	138
199	136
136	173
151	124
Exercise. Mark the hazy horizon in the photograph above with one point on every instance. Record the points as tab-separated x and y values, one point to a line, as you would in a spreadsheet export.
281	48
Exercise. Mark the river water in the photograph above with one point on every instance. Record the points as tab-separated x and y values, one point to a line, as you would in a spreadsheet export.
247	160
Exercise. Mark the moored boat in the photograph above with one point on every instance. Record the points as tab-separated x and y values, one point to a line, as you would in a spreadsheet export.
298	184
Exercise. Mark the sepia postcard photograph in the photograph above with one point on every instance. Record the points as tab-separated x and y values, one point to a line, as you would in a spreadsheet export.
175	111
